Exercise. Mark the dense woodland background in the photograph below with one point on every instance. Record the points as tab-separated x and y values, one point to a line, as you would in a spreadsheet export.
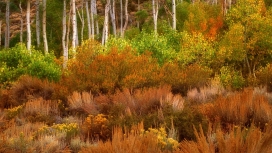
136	76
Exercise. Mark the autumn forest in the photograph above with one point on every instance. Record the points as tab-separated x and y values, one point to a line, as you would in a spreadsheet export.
130	76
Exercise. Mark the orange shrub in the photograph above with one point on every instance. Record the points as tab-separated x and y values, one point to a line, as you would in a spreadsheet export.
242	109
184	78
105	73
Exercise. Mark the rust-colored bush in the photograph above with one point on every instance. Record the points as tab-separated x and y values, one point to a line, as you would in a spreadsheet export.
241	108
184	78
107	72
28	88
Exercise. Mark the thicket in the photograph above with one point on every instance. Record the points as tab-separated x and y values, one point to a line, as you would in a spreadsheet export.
201	89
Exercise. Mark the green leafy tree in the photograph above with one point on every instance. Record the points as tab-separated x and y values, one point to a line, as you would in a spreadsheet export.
248	38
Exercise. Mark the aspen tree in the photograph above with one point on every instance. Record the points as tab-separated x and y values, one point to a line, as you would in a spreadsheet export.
38	22
28	26
7	32
44	28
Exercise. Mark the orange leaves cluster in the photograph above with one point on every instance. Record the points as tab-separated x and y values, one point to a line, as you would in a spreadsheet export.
115	70
204	19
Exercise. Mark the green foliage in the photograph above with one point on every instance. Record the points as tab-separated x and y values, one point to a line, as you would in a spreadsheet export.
18	61
249	34
231	78
264	75
196	49
156	44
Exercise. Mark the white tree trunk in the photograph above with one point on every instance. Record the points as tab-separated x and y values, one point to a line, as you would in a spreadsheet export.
138	23
65	48
28	26
21	23
94	9
88	20
38	22
106	24
81	17
112	13
121	18
155	9
174	14
7	32
44	28
126	21
92	20
74	27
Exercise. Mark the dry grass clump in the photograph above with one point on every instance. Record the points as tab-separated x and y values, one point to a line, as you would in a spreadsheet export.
42	107
142	101
237	140
29	88
206	93
130	141
82	102
241	109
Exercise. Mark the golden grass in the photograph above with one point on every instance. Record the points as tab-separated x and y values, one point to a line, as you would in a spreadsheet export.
42	107
241	109
128	142
82	101
237	140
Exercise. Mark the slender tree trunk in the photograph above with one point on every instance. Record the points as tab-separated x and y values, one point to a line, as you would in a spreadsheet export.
81	16
7	32
174	14
88	20
92	20
69	27
126	21
138	23
112	13
106	24
65	49
74	27
96	16
155	9
121	18
28	26
44	28
38	22
21	23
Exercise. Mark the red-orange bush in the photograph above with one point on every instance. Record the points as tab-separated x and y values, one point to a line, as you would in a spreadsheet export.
183	78
107	72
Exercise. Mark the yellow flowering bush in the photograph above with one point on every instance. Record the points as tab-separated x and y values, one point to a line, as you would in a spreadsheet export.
166	143
96	126
12	112
70	129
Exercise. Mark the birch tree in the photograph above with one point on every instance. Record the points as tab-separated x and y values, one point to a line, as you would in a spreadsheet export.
92	20
74	26
174	19
155	10
121	17
94	10
88	19
38	22
64	46
106	24
7	32
112	14
28	26
126	21
44	28
81	17
21	22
